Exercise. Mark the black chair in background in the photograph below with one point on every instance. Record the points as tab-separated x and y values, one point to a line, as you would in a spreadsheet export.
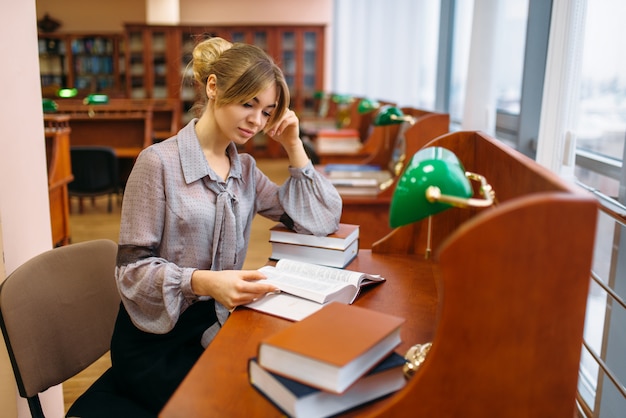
96	173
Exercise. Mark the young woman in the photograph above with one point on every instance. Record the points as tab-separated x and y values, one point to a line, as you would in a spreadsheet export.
187	210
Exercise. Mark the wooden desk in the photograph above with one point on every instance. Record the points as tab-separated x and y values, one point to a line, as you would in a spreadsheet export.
372	212
503	300
218	384
127	125
57	135
128	133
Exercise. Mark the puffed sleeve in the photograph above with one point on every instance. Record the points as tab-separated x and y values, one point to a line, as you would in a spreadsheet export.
307	198
154	291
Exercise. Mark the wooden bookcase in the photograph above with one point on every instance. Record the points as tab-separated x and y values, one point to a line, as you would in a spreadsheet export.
90	62
158	59
152	62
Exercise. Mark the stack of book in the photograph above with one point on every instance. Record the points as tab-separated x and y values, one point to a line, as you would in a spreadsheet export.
338	141
358	179
334	250
340	357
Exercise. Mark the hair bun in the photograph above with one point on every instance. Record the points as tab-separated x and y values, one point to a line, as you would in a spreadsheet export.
205	53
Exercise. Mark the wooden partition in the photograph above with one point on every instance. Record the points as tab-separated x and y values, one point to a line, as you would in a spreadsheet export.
372	212
502	300
57	135
127	125
513	282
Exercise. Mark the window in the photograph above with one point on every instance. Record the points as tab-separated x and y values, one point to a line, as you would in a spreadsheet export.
462	29
589	106
384	50
600	134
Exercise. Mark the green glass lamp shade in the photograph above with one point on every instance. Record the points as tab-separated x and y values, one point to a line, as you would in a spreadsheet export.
67	92
367	105
389	115
342	98
49	105
96	99
319	94
430	169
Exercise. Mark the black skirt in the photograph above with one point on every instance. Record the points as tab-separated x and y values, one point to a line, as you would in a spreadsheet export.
149	367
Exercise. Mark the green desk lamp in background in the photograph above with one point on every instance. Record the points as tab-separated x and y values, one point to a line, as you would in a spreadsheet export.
95	99
392	115
367	105
49	105
343	101
388	115
67	93
433	181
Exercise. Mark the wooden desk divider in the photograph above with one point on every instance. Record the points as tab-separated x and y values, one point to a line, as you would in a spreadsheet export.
127	125
513	282
57	136
377	149
428	126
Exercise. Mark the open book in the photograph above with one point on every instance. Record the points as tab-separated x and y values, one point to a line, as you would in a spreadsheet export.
306	287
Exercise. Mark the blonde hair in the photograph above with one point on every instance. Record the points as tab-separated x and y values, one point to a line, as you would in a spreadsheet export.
242	72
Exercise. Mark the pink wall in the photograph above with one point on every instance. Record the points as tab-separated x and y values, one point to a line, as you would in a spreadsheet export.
24	210
110	15
92	16
255	11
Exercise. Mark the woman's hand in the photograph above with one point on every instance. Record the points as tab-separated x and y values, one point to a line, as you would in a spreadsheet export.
286	131
231	288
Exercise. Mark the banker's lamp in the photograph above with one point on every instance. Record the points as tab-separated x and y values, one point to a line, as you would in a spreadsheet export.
389	115
392	115
433	181
49	105
367	105
343	102
95	99
67	93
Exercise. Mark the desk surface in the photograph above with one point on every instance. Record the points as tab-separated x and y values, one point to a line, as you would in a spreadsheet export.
218	384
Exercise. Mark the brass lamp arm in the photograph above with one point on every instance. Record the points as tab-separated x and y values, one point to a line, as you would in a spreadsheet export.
433	194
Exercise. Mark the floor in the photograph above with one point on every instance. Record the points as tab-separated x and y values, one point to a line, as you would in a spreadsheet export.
95	222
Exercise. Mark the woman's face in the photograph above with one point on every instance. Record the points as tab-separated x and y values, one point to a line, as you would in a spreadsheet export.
240	122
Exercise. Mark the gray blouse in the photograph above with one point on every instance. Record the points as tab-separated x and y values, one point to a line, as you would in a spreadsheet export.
179	216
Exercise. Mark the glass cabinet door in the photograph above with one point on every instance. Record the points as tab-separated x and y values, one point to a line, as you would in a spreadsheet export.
93	60
53	65
260	39
288	59
310	66
301	61
187	89
159	65
136	65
